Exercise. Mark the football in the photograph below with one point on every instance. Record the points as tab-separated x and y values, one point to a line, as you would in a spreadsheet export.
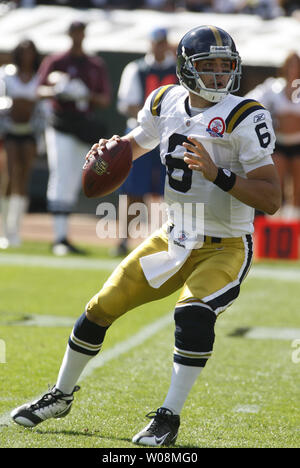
104	172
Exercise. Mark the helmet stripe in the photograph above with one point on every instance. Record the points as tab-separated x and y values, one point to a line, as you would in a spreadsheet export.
217	35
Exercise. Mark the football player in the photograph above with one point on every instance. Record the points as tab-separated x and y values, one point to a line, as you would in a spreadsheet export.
217	150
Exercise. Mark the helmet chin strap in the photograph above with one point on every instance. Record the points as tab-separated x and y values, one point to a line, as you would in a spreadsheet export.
210	96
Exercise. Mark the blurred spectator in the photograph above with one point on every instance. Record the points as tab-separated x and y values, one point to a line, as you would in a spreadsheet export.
230	6
199	5
281	96
138	80
24	3
20	130
69	3
161	5
290	7
77	85
267	9
126	4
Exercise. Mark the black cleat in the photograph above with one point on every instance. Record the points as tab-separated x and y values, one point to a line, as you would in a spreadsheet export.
53	404
162	430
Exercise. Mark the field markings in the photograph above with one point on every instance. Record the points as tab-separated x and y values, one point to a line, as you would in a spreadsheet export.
120	348
279	274
289	274
35	320
80	263
247	409
68	263
272	333
110	354
264	333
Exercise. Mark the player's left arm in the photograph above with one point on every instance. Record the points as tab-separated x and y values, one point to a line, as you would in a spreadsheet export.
261	188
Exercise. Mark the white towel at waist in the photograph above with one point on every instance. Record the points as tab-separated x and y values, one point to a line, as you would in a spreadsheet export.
161	266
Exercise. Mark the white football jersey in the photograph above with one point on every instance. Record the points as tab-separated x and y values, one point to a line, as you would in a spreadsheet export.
237	133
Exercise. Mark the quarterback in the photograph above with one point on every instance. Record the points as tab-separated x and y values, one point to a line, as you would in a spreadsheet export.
217	149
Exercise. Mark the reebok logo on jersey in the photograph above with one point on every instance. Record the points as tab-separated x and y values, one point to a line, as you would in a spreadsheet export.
259	118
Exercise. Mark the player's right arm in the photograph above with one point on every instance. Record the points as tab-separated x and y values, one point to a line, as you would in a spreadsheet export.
143	138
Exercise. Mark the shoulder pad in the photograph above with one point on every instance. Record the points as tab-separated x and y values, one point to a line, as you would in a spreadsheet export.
240	112
157	98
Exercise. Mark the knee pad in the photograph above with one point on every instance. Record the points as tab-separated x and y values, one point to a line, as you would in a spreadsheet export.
194	334
87	337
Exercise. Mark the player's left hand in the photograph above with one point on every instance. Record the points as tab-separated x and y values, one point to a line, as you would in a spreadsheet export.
198	159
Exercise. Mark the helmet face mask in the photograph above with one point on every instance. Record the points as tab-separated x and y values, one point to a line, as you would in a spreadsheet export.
203	44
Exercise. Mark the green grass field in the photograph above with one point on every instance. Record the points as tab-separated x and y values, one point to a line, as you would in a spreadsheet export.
247	396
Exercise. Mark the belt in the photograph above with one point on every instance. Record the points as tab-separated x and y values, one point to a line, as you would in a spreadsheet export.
206	238
216	240
211	239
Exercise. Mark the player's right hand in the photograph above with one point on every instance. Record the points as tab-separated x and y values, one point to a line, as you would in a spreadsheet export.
102	142
101	145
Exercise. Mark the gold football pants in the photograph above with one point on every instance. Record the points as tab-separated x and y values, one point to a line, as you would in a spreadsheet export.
211	275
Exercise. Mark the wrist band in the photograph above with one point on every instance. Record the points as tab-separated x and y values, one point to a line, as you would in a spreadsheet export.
225	179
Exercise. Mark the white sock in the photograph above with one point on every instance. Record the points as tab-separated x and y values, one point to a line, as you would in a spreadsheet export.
17	206
71	369
60	227
4	211
183	378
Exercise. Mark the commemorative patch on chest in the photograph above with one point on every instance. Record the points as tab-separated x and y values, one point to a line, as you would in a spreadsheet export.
216	127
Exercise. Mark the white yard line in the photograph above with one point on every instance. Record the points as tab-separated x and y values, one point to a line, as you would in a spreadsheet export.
290	274
109	354
68	263
82	263
272	333
146	332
